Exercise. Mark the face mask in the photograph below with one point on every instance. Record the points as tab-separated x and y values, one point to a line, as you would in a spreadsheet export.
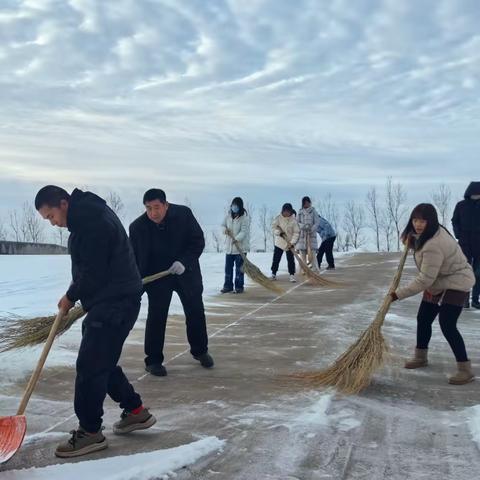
234	209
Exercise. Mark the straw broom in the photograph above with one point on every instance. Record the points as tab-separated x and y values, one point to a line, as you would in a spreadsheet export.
353	370
314	277
34	331
252	271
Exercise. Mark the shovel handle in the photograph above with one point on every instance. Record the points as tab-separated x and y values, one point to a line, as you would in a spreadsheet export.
41	362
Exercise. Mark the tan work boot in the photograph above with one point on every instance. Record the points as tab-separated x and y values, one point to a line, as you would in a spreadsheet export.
419	360
464	374
81	443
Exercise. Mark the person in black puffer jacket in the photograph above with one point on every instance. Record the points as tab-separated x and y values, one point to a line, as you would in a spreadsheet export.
106	280
466	226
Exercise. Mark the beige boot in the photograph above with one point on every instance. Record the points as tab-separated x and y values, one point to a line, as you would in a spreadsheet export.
464	374
419	360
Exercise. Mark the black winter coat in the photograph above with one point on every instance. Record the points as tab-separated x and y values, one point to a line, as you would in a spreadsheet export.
103	263
178	237
466	222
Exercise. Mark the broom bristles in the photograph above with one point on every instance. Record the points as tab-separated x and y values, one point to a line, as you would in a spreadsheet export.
253	272
352	371
314	277
29	332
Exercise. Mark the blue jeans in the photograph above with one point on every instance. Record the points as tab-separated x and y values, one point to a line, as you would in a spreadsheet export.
230	261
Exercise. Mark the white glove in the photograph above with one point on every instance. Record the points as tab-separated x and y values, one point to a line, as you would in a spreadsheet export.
177	268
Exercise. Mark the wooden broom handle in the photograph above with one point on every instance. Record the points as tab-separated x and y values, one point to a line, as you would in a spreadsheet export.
398	275
41	362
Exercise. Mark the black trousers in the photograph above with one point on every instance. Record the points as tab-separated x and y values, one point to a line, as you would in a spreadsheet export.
472	252
447	317
104	331
159	298
277	256
326	247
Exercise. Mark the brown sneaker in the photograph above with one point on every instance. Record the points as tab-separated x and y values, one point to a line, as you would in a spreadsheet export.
81	443
464	374
419	360
130	422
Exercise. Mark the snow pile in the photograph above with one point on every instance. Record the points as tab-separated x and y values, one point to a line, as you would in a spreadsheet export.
140	466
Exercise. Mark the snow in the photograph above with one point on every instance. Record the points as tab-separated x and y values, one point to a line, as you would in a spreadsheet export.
473	421
159	464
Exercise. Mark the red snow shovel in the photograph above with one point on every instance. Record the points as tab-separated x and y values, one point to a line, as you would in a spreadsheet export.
12	429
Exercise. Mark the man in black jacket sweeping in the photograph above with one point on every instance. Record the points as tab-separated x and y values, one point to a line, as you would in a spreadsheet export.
466	226
168	237
105	279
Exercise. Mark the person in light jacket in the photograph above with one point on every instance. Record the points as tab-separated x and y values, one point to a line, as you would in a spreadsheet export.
286	232
308	220
445	278
328	236
236	225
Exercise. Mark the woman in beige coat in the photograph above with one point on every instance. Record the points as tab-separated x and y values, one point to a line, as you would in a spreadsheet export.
286	232
445	278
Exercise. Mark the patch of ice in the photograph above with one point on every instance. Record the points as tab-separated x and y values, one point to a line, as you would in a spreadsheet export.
140	466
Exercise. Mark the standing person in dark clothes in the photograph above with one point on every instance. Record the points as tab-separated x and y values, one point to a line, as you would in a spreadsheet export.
445	278
105	279
466	226
328	236
168	237
286	232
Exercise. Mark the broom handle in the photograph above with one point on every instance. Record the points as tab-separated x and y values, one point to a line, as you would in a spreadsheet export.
387	301
154	277
41	362
398	275
235	242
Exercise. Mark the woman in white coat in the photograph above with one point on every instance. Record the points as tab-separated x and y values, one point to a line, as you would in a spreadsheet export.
238	224
286	232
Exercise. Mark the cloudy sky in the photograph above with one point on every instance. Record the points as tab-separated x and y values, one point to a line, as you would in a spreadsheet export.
209	99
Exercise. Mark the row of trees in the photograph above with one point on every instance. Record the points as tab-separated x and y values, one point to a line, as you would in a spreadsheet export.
375	223
24	224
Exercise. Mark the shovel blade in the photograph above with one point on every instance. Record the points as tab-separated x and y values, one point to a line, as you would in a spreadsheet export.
12	431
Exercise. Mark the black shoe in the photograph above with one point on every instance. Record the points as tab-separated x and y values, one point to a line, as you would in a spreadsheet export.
238	290
156	369
476	304
466	304
330	268
205	360
226	290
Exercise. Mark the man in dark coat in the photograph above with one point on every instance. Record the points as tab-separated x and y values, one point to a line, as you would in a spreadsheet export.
106	280
168	237
466	225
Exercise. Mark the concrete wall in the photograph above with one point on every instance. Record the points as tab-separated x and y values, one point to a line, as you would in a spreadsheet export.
25	248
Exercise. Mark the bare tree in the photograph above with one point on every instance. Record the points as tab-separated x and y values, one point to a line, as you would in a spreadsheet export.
115	202
3	231
32	224
395	204
354	222
263	223
60	236
373	209
251	211
441	199
387	229
16	226
217	241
